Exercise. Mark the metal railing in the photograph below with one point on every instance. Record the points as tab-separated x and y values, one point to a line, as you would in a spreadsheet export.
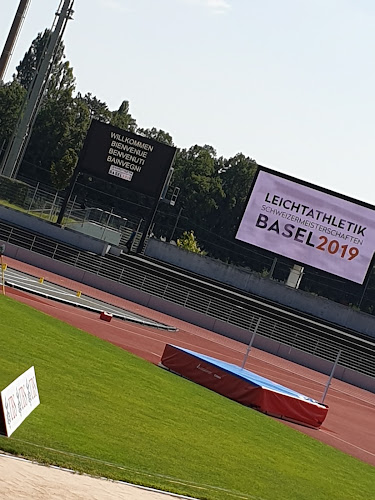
46	203
294	331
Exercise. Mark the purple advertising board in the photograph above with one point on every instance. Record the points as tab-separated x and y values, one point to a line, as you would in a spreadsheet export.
309	225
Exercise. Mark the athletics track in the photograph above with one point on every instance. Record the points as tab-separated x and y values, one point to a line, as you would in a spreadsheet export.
349	425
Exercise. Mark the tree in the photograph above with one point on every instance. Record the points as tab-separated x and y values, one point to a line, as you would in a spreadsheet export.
26	69
189	242
62	120
62	171
61	81
199	182
12	96
55	124
98	110
157	135
236	174
79	124
123	119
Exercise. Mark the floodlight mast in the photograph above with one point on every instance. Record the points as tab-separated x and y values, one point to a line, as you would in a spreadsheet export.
21	136
12	37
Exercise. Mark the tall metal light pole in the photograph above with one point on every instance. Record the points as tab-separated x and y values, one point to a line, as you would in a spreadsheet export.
18	143
12	37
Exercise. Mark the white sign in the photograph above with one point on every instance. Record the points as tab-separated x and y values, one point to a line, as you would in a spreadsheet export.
122	173
309	226
19	399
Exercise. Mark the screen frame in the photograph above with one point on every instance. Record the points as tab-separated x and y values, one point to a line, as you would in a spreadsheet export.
261	168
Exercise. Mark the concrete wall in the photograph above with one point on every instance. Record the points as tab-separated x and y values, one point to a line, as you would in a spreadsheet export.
50	230
319	307
177	311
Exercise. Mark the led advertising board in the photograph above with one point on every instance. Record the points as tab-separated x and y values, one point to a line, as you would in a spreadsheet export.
309	225
125	158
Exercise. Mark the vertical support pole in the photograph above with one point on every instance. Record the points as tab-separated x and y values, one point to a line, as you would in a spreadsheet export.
53	206
250	344
139	225
272	268
331	376
364	289
176	223
68	195
2	273
19	141
71	207
150	219
12	36
33	198
148	224
107	223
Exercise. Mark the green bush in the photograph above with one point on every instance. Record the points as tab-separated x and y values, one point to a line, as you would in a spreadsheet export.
12	190
189	242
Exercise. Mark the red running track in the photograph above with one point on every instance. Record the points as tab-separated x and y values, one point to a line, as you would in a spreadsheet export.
349	425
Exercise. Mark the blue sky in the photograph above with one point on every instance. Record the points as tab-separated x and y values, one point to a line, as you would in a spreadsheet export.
289	83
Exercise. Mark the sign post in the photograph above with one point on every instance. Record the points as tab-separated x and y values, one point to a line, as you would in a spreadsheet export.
2	251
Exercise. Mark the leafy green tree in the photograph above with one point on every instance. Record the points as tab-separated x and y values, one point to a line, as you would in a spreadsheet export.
98	109
123	119
62	171
27	67
54	126
62	121
189	242
79	124
236	174
12	96
157	135
199	182
61	81
61	124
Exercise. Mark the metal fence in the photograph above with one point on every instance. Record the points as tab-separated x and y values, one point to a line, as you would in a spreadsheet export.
45	203
290	329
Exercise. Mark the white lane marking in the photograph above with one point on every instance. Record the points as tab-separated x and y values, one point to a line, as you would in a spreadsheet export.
347	442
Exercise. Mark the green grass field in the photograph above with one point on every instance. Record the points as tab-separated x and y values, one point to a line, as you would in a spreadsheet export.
45	216
108	413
